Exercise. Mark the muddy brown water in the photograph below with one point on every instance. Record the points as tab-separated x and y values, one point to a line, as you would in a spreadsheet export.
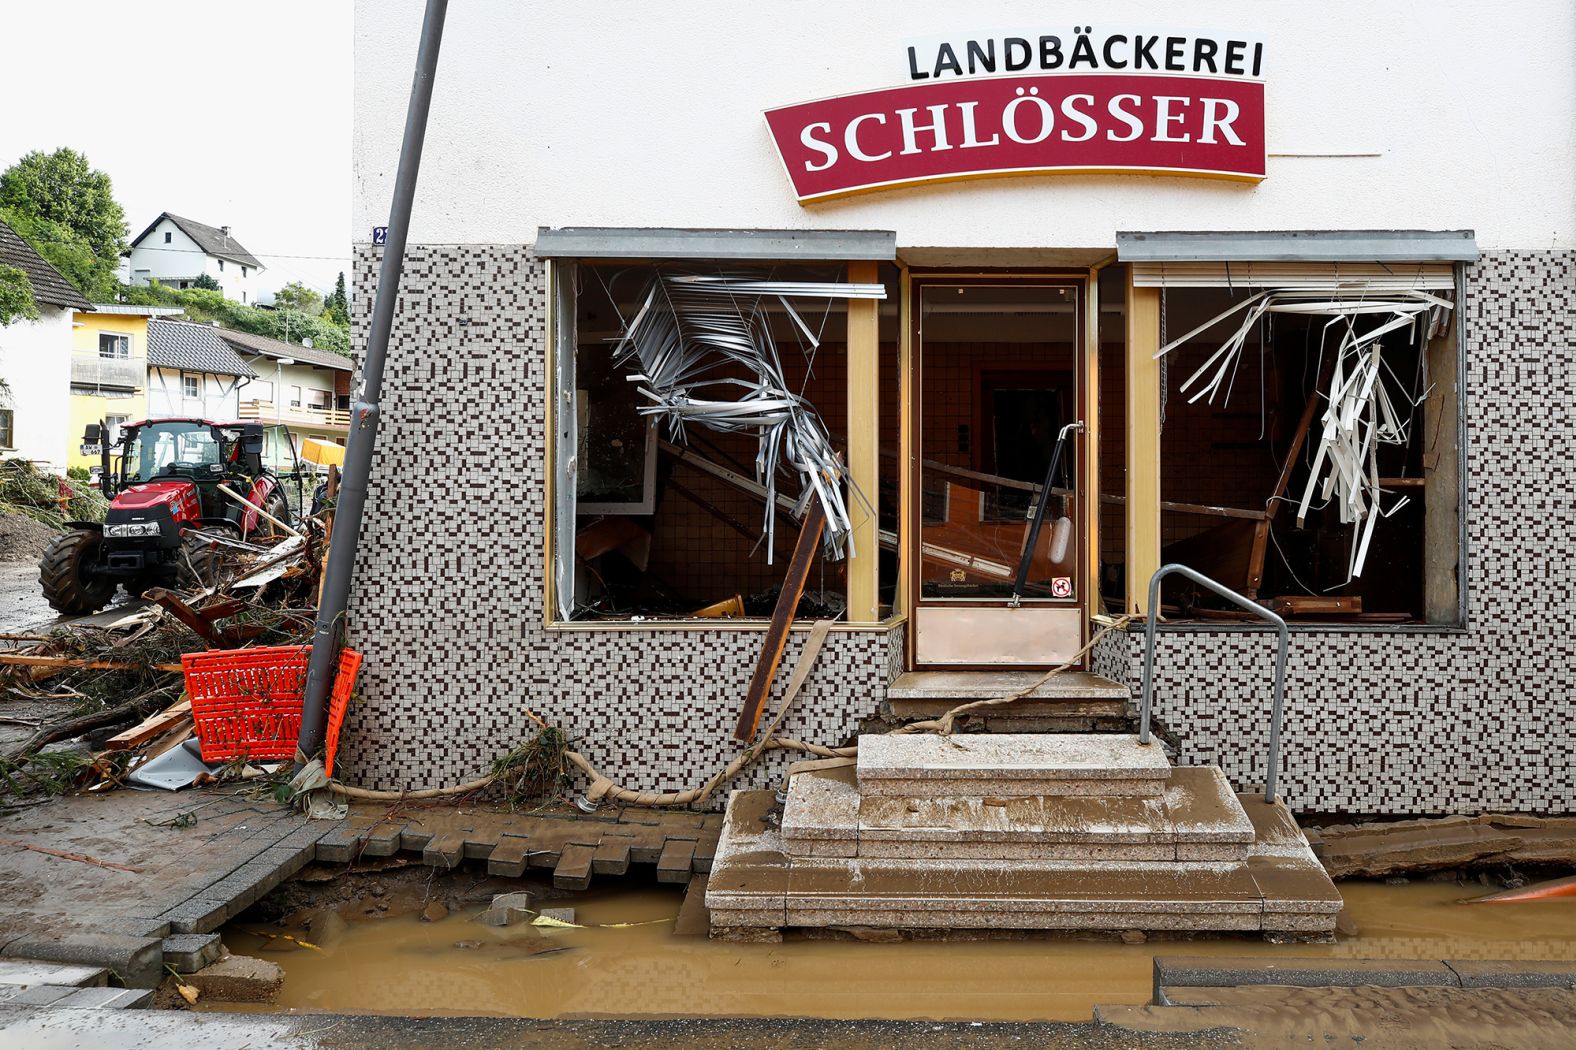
458	966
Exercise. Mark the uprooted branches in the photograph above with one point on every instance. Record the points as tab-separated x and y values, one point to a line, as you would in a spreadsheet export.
105	672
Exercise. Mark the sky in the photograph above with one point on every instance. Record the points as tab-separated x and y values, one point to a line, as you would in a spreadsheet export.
230	112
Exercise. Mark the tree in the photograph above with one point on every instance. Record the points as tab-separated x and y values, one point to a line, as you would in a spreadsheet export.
207	281
16	297
297	296
67	211
336	308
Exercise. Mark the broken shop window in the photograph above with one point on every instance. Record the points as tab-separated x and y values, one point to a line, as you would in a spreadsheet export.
1309	447
710	405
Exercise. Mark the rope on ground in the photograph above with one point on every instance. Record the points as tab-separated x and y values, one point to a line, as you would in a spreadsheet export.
602	787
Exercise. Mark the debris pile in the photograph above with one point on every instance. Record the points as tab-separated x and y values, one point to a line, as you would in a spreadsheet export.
119	672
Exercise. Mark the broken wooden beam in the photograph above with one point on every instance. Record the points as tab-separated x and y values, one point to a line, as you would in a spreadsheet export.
782	619
153	726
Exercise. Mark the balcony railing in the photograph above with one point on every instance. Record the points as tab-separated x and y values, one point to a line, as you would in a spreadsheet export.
267	412
126	373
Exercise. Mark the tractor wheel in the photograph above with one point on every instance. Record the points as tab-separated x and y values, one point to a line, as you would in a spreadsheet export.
66	573
200	557
279	506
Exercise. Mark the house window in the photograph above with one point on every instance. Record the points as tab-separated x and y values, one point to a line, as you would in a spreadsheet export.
672	529
295	397
319	400
114	423
191	387
167	236
1352	524
114	347
245	271
6	420
262	390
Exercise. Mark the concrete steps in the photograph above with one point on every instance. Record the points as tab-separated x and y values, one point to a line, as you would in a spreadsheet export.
1039	831
1071	702
1196	818
996	764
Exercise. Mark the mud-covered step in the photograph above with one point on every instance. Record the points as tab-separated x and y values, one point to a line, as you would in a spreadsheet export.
756	884
1010	764
1197	819
962	686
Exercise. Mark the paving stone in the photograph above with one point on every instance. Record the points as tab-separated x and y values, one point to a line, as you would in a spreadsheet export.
133	926
35	995
198	915
573	871
508	858
15	972
674	865
106	999
384	841
443	851
137	962
612	855
190	952
338	846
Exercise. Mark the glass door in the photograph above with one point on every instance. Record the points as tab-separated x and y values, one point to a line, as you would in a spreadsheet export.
1000	562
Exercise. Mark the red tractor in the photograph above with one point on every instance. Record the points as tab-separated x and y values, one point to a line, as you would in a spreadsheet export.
166	515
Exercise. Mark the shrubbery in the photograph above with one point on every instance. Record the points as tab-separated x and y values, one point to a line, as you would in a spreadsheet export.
206	304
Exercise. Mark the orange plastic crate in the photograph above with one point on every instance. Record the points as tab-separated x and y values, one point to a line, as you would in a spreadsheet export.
246	703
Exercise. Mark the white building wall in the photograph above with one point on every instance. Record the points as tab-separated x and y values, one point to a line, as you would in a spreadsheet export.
35	362
219	398
182	260
1427	114
169	264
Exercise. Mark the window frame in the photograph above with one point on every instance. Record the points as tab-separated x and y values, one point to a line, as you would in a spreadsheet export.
8	429
562	305
123	338
1463	621
195	380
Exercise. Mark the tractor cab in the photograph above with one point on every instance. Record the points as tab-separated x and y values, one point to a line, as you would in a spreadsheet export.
173	485
198	452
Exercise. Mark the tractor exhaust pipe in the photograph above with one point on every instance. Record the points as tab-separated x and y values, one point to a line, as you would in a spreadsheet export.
364	414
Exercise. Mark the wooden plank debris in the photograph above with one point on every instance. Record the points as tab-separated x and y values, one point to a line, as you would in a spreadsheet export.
153	726
776	638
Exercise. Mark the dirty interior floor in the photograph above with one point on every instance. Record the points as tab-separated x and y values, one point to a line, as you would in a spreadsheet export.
387	960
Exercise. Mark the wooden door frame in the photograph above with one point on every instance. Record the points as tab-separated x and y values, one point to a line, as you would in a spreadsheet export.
1084	401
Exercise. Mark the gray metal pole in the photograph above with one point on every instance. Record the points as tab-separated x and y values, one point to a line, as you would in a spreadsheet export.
364	413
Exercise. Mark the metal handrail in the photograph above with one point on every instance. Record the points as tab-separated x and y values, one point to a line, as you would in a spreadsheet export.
1236	599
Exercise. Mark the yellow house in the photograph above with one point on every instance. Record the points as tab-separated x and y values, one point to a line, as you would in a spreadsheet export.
109	371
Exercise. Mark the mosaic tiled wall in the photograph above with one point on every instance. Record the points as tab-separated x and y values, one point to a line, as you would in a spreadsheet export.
448	597
1413	723
1390	722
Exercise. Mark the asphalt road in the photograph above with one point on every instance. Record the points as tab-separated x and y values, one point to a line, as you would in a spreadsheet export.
22	606
163	1030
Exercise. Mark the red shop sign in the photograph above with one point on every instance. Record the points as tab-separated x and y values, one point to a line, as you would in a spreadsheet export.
1014	125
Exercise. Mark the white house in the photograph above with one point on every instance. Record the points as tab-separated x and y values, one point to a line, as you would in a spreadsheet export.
175	251
35	361
304	388
192	372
